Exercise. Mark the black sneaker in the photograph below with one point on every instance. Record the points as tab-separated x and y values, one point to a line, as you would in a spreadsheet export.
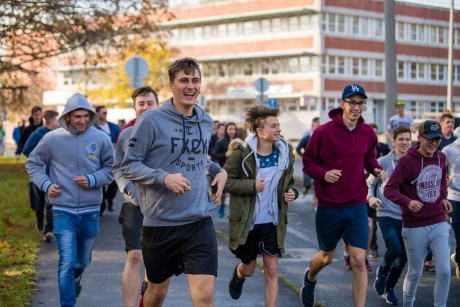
390	296
307	291
236	285
380	282
78	285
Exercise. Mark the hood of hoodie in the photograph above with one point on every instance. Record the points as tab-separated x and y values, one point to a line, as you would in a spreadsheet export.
197	117
77	101
336	115
282	146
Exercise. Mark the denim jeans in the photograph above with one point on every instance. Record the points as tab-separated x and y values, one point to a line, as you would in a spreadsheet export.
455	216
75	235
416	241
395	258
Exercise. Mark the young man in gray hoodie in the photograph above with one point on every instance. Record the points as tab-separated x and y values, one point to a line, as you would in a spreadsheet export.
389	218
80	159
167	157
144	98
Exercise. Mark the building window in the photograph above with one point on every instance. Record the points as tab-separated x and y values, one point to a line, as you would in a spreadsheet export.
248	69
293	65
401	72
378	68
264	66
276	66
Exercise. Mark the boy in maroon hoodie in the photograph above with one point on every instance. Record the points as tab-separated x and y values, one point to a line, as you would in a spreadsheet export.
418	185
336	157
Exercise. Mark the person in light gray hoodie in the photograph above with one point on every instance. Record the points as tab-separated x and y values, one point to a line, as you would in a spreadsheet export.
80	159
390	220
167	157
452	152
144	99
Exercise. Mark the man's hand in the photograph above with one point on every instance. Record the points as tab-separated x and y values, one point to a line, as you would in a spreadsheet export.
333	175
374	202
447	206
220	179
415	206
289	196
177	184
81	181
260	185
54	190
381	175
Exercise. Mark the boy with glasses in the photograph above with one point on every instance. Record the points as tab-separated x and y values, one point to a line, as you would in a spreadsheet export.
336	157
418	186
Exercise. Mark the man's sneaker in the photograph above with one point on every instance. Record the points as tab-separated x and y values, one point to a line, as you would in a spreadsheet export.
374	253
428	266
39	226
236	285
380	282
457	270
78	285
390	296
368	265
346	262
142	292
49	237
307	291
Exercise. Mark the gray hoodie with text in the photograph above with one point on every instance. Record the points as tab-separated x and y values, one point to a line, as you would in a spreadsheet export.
71	154
164	141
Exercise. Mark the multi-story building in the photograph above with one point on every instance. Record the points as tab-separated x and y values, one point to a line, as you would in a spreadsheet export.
308	50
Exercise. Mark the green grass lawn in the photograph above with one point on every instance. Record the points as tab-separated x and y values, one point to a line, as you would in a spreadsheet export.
19	241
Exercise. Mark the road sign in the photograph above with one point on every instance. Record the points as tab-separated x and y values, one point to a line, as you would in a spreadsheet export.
137	69
272	103
261	85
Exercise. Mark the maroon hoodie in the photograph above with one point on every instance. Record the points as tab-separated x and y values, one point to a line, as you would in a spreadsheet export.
419	178
334	146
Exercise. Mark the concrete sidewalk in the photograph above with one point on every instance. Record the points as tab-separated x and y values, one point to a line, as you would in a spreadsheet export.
102	280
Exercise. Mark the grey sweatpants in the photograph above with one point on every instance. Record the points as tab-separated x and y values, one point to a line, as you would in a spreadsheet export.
417	241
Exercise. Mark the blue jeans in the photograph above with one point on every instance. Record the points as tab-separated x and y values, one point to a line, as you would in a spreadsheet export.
455	216
417	241
75	236
395	258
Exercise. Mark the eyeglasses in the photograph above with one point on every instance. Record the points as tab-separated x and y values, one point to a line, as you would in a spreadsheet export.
354	103
435	140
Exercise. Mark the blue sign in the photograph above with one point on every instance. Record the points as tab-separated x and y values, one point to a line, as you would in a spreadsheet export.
272	103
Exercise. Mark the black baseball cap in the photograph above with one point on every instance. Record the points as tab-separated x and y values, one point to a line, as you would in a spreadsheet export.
430	129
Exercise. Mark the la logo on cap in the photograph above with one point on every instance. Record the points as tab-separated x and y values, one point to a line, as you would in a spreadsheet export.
354	88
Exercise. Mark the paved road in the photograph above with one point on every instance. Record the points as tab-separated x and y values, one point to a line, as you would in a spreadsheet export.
102	280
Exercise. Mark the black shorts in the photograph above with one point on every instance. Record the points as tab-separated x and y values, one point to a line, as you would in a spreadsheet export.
371	212
172	250
131	218
262	238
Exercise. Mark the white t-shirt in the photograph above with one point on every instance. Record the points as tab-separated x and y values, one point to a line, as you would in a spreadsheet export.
395	121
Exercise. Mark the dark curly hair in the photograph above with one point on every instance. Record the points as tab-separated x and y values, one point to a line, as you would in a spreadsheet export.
256	115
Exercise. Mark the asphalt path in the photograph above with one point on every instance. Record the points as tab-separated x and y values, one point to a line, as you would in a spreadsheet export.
102	280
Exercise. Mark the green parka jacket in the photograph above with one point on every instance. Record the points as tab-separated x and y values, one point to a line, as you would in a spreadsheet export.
242	188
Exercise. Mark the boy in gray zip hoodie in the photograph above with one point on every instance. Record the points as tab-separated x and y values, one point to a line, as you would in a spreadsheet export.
167	159
390	221
80	159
